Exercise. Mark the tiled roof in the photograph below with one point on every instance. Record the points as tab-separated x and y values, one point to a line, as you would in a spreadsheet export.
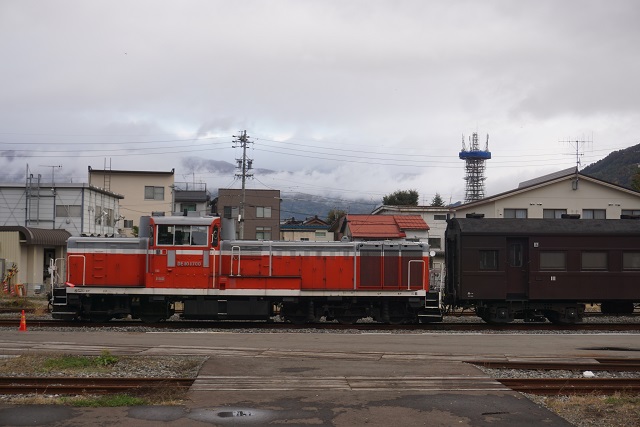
411	222
384	226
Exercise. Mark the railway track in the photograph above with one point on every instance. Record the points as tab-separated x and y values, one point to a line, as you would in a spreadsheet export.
95	386
443	326
66	385
562	386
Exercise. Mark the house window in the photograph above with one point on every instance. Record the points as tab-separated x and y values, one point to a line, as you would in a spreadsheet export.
435	242
231	212
630	212
515	213
68	211
263	233
594	214
189	207
104	216
128	223
489	260
553	261
321	234
263	212
553	213
631	260
594	261
153	193
304	239
440	217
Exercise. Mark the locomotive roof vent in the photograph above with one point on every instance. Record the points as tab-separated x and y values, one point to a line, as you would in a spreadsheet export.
475	215
570	216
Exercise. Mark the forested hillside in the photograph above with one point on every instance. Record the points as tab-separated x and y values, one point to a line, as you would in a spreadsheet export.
618	167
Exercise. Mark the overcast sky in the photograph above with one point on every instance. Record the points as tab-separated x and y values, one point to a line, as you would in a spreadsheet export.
343	99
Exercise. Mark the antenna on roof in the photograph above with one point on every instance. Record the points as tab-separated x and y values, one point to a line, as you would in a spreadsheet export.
578	145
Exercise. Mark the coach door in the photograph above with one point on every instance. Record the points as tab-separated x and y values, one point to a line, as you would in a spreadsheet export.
517	268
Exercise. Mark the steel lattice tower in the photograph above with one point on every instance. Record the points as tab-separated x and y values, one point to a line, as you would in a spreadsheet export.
474	165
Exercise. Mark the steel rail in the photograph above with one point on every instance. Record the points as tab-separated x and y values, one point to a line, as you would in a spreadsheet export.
618	365
96	385
563	386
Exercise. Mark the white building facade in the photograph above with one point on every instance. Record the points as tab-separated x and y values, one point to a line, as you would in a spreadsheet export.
81	209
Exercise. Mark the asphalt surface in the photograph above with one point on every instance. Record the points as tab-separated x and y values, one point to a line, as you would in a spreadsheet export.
322	379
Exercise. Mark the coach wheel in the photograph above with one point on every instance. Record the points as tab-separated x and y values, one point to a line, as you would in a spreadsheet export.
570	317
151	318
616	307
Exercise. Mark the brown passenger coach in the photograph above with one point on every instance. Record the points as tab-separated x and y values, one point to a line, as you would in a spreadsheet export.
534	269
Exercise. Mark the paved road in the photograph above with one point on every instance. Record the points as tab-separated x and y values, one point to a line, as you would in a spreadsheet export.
319	379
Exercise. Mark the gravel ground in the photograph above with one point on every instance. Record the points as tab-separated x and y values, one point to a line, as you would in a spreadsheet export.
33	365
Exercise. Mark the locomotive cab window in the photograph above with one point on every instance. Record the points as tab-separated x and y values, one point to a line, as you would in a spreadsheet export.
182	235
199	235
488	260
595	261
553	261
165	235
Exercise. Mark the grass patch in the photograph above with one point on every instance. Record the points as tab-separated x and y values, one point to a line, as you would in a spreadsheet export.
106	401
66	362
616	410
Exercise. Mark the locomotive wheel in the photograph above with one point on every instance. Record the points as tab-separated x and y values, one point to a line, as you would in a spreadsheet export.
99	317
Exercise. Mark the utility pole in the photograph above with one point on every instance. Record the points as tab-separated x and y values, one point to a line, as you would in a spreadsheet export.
244	166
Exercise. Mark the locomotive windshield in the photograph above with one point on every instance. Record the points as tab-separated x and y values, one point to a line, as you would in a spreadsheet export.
182	235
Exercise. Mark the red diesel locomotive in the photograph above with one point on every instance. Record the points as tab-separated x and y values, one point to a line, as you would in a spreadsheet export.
182	265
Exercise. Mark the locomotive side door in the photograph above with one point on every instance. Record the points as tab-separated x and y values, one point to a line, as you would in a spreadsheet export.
517	268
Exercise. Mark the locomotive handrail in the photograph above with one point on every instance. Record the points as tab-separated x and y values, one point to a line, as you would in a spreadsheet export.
233	248
270	259
55	270
409	272
84	267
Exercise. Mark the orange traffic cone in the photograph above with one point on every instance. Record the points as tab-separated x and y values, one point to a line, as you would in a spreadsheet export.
23	323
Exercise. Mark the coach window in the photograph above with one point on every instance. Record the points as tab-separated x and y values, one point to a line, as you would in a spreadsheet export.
595	261
553	261
165	235
631	260
488	260
515	255
199	235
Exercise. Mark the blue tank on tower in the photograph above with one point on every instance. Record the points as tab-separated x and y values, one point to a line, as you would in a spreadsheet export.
474	164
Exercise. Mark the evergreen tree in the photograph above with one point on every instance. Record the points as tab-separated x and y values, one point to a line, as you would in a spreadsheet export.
635	181
437	200
401	198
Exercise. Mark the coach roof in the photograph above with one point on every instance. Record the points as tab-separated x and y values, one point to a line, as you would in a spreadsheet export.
514	226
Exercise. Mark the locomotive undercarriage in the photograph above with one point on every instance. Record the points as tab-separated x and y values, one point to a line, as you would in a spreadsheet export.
497	312
156	308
